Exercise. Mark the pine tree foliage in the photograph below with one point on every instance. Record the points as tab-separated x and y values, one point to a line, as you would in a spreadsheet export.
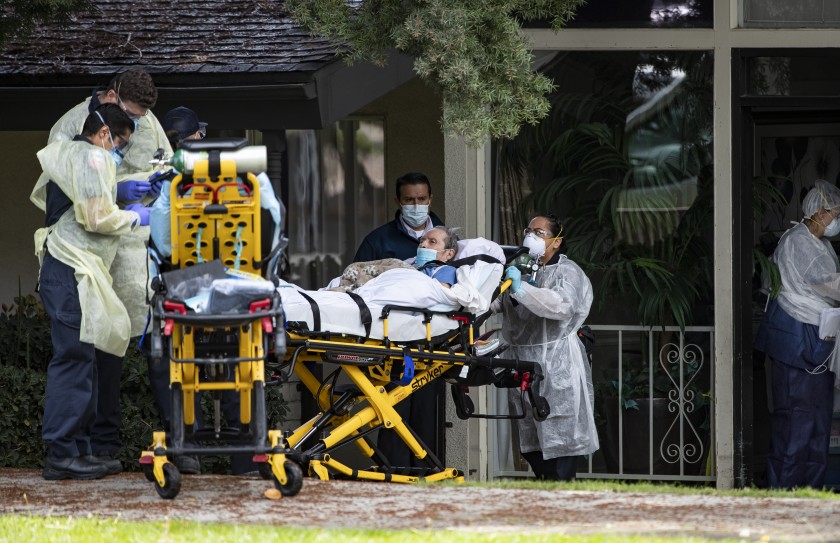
472	51
19	17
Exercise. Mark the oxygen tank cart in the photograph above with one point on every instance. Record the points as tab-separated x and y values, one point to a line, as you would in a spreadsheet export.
220	344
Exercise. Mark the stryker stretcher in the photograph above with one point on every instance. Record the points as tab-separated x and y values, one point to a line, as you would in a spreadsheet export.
389	352
388	349
215	220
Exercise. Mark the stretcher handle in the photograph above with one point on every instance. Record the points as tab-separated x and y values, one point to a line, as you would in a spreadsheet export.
505	285
427	315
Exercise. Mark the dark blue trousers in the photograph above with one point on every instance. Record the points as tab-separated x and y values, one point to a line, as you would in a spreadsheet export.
73	379
800	426
562	468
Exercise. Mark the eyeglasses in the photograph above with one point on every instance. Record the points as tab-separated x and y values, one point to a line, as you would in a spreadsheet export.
202	132
119	142
538	231
131	114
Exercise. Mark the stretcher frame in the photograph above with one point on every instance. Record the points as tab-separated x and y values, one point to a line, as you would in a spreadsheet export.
213	198
380	379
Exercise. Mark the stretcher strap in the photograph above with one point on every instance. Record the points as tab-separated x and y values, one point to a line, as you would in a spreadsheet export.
316	311
470	260
214	163
237	246
198	258
364	312
408	369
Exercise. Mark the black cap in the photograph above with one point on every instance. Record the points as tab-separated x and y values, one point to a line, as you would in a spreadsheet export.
184	120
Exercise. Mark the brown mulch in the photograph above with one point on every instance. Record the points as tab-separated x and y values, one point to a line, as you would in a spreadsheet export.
241	500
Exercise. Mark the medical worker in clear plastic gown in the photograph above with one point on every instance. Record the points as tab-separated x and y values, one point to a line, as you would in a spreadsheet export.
542	315
801	371
135	93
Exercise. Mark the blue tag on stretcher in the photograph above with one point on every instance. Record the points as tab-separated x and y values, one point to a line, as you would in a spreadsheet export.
408	370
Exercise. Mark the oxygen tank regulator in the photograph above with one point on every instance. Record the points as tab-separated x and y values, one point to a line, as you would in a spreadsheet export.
528	265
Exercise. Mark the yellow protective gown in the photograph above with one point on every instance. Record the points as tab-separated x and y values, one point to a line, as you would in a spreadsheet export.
87	238
130	266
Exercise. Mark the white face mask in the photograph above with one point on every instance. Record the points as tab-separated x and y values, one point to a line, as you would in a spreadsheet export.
535	245
832	229
415	215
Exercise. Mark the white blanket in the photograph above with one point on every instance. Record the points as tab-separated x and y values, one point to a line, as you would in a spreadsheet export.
404	287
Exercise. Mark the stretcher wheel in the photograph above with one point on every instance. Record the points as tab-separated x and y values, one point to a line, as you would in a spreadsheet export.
171	482
149	472
294	479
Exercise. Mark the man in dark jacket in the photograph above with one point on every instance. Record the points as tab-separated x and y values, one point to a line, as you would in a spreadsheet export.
400	237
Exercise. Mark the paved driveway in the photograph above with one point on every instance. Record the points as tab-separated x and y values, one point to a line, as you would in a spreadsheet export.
229	499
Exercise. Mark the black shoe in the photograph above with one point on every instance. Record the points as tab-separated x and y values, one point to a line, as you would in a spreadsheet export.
188	465
72	467
113	465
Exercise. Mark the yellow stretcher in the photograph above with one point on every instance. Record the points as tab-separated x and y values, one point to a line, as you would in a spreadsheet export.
215	211
215	222
382	374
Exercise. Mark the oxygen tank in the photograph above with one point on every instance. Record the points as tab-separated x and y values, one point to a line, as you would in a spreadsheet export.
248	159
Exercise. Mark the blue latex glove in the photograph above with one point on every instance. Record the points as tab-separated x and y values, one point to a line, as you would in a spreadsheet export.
515	277
131	191
141	210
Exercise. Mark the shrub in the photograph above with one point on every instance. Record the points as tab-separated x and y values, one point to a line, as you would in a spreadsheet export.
25	352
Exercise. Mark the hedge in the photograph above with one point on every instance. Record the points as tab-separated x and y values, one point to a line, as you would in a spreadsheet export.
25	352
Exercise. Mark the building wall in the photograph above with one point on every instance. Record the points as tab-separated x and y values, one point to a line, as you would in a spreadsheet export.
413	139
18	217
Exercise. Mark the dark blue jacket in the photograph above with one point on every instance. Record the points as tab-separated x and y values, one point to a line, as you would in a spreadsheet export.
391	240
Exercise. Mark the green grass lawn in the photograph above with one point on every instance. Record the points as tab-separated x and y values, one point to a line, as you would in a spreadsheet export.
20	529
600	485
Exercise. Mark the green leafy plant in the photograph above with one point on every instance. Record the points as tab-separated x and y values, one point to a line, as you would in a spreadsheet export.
473	51
25	352
632	179
637	381
19	17
25	340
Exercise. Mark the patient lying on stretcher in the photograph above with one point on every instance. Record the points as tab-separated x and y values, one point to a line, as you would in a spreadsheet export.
437	246
339	312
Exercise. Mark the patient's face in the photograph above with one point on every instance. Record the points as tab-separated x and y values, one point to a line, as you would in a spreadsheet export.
436	239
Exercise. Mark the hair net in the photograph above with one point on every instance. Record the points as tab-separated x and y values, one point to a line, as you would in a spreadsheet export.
824	195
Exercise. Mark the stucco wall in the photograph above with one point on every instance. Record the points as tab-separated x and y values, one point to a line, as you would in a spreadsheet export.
18	217
413	139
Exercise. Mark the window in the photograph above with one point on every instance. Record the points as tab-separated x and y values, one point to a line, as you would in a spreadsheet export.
787	14
336	196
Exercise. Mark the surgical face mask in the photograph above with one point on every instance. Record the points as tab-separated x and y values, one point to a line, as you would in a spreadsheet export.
114	152
832	229
117	156
424	256
415	215
535	245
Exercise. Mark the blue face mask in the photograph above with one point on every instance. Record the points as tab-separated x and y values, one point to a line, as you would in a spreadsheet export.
424	256
116	154
136	124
